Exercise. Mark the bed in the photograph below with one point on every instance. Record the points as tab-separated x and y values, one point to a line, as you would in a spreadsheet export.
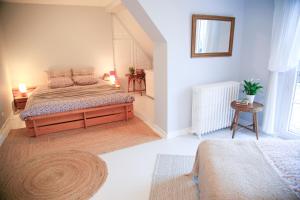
248	169
53	110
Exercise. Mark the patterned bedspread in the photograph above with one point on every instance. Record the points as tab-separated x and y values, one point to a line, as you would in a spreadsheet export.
48	101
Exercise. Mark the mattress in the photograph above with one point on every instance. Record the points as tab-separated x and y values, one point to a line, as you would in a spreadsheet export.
45	101
235	169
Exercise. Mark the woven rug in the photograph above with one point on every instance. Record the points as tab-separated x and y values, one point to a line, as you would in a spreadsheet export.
63	175
170	180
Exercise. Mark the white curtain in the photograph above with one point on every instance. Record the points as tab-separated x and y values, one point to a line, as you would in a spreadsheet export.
284	58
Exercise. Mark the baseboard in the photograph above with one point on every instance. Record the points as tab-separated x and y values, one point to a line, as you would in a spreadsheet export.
160	131
6	127
173	134
153	126
187	131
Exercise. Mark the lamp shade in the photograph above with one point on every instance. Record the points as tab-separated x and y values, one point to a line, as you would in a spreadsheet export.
112	77
22	88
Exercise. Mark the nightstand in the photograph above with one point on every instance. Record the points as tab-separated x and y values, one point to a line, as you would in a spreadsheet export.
21	99
139	78
251	108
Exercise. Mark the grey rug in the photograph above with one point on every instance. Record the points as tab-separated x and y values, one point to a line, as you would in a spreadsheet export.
170	181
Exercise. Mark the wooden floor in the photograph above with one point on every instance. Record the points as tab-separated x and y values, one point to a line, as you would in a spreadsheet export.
18	147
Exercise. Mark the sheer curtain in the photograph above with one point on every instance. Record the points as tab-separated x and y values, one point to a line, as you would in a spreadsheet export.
284	58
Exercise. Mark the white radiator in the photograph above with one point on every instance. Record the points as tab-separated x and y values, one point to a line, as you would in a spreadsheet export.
211	109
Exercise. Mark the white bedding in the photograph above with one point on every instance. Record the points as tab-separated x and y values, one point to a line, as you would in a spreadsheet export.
248	170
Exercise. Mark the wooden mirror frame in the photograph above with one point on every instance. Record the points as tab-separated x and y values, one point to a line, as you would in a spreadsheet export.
212	17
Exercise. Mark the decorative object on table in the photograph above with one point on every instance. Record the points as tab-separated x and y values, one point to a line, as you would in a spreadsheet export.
244	101
251	88
105	77
23	89
140	78
112	77
131	70
253	108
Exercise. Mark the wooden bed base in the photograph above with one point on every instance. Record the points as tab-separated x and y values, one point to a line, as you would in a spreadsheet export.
84	118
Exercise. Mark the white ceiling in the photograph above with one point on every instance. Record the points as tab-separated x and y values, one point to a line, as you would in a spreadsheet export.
98	3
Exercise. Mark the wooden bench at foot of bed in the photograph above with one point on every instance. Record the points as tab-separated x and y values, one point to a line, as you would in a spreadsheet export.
45	124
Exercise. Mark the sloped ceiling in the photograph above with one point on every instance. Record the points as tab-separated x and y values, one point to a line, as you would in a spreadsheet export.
98	3
135	30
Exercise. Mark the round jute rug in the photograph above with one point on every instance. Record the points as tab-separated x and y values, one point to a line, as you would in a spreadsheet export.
61	175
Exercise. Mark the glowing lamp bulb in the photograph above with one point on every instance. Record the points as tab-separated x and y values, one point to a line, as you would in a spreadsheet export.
112	79
22	88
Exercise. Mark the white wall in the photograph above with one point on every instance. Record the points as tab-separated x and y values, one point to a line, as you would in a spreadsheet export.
258	20
173	19
159	62
127	50
5	92
250	51
33	43
39	36
135	30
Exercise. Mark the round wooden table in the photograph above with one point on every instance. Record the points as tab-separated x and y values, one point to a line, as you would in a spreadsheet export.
251	108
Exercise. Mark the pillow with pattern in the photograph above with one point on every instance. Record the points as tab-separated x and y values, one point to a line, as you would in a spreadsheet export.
60	82
55	73
83	71
85	80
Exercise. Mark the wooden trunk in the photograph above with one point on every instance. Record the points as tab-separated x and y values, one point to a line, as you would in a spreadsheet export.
45	124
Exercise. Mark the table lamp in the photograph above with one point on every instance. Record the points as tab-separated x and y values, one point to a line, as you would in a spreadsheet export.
23	89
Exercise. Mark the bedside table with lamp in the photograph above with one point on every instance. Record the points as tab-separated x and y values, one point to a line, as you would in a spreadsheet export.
21	95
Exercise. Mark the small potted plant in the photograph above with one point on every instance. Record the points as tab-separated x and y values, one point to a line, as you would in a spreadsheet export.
131	70
251	88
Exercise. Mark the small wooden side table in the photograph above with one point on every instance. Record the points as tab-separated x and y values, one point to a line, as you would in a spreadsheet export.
252	108
20	100
136	78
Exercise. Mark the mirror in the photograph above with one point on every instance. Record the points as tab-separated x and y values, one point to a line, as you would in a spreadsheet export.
212	35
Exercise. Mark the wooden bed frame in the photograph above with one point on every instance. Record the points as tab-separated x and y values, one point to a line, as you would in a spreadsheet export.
84	118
